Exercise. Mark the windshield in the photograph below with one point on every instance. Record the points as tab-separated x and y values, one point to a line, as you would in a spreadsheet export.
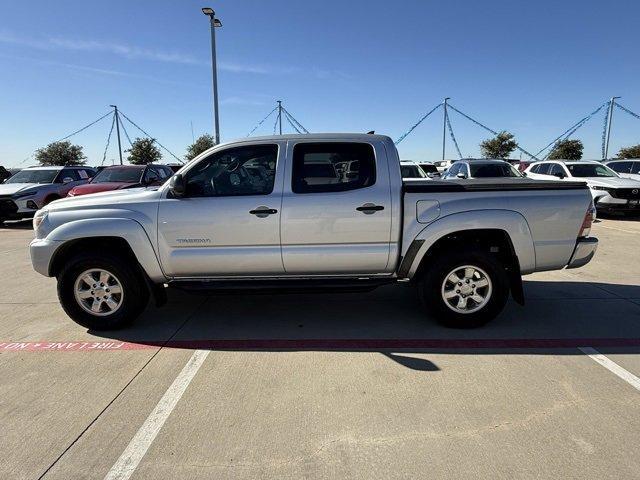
412	171
118	175
488	170
590	170
33	176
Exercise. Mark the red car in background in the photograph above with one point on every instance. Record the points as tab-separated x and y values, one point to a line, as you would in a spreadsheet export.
124	176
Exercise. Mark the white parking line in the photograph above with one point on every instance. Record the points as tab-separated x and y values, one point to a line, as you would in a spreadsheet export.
613	367
618	229
140	443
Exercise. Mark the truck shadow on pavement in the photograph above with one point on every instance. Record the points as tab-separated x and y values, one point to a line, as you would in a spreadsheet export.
17	225
558	318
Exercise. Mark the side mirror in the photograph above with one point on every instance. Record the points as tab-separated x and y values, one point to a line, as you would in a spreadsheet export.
560	175
461	175
524	174
67	180
178	185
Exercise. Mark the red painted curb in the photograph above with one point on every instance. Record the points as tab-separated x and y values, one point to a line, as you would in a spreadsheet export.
323	344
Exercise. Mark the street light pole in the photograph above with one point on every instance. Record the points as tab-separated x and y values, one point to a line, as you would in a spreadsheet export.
118	130
609	120
215	22
444	127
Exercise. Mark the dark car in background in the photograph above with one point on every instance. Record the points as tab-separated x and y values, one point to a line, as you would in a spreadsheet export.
124	176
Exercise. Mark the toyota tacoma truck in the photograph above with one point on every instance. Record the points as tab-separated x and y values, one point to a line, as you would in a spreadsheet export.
281	213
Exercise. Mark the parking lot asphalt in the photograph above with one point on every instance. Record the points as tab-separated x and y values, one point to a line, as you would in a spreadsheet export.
327	386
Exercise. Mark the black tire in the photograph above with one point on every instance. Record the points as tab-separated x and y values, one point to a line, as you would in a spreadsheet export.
431	284
134	299
50	199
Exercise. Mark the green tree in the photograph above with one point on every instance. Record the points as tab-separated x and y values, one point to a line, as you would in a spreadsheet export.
204	142
566	150
143	151
60	153
500	146
630	152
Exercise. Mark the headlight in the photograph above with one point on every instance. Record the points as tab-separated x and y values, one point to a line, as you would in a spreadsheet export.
597	187
39	217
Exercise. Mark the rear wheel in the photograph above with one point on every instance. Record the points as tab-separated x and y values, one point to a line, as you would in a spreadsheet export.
466	289
101	292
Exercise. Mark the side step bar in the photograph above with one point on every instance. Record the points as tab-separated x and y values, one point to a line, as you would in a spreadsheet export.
284	285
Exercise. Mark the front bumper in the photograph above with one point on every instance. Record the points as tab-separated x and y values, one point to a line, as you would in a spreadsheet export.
583	253
41	251
609	203
618	207
17	209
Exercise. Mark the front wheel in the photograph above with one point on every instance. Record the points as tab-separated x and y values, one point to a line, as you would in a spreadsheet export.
101	292
465	290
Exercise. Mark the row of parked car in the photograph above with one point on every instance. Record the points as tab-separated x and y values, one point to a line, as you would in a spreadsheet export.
614	185
28	190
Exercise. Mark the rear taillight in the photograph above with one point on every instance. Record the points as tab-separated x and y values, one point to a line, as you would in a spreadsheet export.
588	220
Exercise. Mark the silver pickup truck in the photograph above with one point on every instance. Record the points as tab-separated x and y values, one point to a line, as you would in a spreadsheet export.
310	213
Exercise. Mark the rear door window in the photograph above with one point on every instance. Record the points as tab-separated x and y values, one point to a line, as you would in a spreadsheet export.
543	169
332	167
557	170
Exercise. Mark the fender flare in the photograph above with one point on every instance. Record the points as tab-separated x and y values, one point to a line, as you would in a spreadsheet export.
125	228
513	223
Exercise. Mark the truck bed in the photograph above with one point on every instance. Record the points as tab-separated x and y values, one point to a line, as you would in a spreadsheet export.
487	185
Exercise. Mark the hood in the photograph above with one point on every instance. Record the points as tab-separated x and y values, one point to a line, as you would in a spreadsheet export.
11	188
104	199
612	182
99	187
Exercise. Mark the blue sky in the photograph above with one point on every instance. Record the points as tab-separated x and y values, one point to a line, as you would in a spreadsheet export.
532	68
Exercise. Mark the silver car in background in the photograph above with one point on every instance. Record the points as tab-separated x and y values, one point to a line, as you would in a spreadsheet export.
32	188
481	168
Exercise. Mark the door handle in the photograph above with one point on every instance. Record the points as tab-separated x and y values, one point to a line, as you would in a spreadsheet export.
262	212
369	208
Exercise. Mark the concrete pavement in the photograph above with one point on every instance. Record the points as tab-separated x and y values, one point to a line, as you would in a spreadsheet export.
329	409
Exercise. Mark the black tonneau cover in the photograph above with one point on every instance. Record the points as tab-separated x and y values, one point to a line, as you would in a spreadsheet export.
487	185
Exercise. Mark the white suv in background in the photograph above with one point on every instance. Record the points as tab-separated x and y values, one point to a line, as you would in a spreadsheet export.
611	193
626	168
